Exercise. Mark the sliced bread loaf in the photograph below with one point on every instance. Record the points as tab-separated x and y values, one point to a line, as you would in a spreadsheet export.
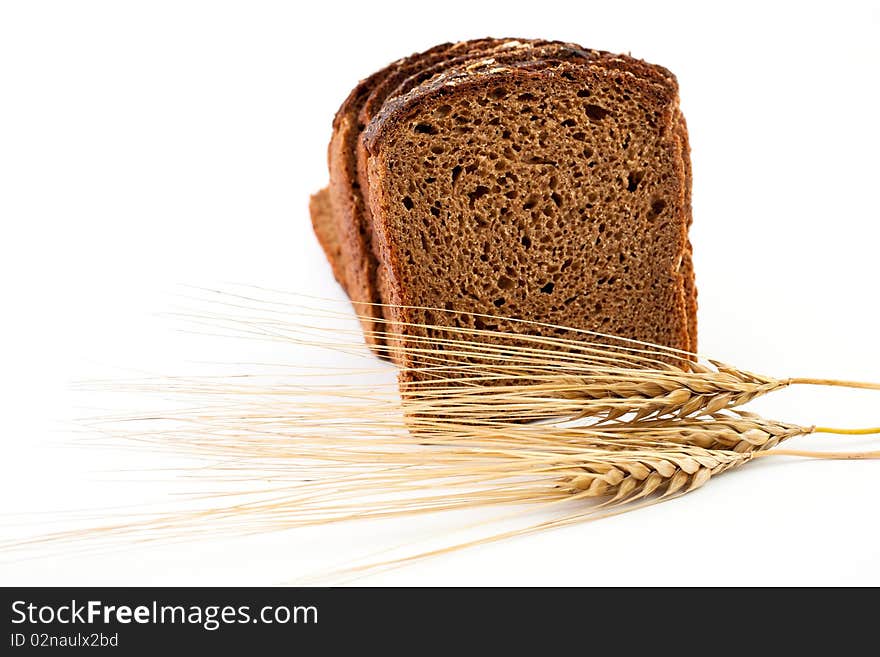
540	181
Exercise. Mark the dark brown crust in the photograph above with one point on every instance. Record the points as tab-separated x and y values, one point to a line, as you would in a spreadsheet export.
687	263
416	68
400	109
498	49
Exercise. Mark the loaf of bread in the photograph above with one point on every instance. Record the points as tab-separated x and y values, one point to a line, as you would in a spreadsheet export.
528	179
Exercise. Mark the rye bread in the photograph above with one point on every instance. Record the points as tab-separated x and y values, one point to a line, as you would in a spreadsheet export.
477	69
497	190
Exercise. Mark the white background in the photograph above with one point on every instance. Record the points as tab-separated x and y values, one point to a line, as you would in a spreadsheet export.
145	145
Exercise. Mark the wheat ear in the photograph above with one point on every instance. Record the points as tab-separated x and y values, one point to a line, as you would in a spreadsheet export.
523	373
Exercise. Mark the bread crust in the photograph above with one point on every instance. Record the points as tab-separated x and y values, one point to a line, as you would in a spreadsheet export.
687	263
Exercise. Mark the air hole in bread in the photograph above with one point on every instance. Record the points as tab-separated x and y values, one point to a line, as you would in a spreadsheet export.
478	193
633	180
480	325
534	159
595	112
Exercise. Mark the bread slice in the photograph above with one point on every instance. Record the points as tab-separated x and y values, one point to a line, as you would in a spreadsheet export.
548	190
529	179
323	223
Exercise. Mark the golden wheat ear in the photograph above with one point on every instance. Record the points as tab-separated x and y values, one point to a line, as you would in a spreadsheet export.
481	375
529	373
